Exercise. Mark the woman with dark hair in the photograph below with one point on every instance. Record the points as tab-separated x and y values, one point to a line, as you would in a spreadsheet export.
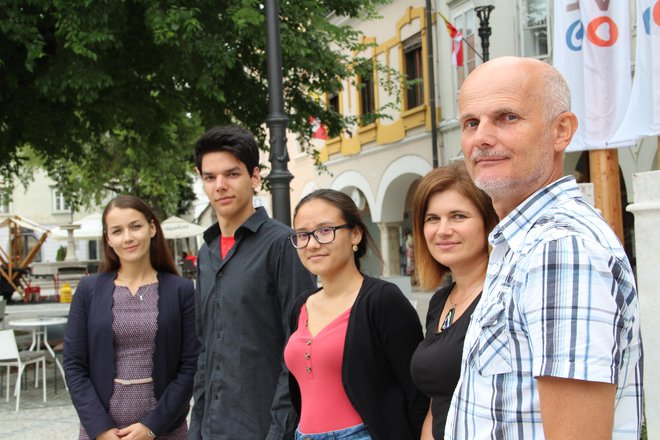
352	339
451	222
130	348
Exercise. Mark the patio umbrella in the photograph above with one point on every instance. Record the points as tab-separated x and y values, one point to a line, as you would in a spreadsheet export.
175	228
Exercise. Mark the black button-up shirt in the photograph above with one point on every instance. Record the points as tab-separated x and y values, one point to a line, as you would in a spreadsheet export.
243	305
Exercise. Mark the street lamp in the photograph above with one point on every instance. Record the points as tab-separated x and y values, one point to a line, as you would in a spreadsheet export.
483	13
277	120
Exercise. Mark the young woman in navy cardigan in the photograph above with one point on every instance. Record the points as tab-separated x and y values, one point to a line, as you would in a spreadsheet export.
352	339
130	349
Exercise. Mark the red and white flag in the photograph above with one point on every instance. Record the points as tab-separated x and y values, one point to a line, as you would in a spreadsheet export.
318	130
456	42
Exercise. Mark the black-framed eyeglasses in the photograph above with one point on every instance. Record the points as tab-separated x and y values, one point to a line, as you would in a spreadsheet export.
323	235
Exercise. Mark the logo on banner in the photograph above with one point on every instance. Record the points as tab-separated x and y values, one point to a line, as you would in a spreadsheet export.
647	17
601	31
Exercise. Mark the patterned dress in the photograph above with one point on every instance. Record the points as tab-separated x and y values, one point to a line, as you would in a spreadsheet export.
134	328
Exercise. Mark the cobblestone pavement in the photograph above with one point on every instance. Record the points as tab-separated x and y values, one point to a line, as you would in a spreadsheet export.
54	420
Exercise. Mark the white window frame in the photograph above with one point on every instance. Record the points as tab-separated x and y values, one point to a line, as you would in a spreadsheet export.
297	147
458	19
5	206
59	203
524	28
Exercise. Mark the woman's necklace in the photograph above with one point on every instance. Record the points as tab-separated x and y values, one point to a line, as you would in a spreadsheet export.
144	281
449	317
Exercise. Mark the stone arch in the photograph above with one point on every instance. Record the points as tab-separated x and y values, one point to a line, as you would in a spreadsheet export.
348	182
353	179
394	184
309	187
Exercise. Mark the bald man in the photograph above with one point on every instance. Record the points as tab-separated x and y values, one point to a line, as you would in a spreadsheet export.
553	349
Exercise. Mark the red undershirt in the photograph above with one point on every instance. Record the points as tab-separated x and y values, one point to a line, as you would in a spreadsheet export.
225	245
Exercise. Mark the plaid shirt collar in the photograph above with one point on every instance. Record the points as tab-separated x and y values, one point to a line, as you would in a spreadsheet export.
515	226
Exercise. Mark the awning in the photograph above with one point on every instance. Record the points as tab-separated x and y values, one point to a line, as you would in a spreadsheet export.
175	227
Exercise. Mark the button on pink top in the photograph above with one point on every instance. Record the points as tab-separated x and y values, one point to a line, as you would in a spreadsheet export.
316	364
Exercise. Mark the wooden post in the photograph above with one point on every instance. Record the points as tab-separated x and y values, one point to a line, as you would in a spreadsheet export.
25	263
604	174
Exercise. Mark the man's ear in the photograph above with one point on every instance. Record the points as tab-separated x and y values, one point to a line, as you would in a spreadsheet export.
256	178
564	128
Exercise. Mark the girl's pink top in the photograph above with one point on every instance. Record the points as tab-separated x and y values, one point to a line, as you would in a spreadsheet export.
315	362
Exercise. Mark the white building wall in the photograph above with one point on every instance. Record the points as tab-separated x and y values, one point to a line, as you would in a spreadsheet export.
646	209
35	202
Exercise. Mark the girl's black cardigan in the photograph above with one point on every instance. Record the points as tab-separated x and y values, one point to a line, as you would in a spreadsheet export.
383	333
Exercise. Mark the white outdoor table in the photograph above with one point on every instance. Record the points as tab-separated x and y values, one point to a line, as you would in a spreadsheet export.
39	328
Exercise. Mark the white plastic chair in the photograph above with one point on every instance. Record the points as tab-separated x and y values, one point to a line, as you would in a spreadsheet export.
10	356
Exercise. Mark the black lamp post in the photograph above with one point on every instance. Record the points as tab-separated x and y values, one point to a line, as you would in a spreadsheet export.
279	176
483	13
431	75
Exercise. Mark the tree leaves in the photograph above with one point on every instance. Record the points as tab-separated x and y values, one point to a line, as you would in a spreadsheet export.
79	78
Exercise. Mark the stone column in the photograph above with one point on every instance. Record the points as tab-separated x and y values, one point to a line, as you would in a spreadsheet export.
646	188
389	247
71	255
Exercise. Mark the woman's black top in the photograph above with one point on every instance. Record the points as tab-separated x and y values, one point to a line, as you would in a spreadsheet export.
436	364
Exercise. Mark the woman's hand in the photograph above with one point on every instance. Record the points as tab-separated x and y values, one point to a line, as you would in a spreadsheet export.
136	431
110	434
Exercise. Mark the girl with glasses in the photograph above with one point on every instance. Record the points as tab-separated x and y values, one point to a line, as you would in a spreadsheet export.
352	339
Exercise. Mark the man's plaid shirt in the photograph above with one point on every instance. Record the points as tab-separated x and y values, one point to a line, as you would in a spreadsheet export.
559	300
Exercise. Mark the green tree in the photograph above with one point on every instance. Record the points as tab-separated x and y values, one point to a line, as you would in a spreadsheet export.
118	163
84	82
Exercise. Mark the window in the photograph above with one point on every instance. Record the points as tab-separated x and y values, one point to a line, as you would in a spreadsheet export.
4	204
412	54
29	241
59	203
366	89
296	146
333	103
466	23
534	32
93	249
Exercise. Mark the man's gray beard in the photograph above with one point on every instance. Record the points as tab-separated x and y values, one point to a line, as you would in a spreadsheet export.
494	187
498	188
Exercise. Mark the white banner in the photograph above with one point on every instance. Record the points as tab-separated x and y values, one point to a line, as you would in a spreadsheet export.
643	116
592	50
567	58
